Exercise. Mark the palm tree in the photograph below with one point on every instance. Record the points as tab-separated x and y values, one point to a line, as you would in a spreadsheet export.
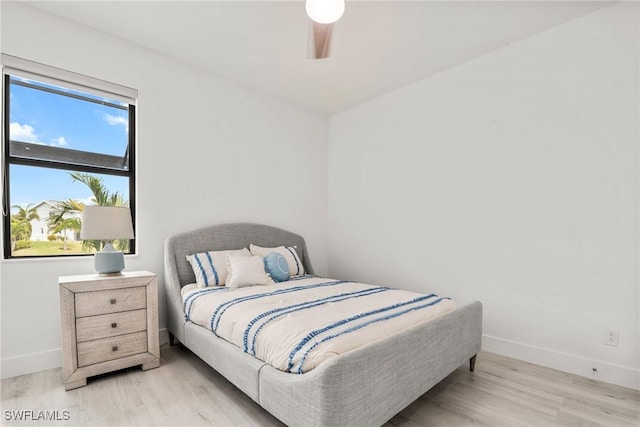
59	221
20	230
60	209
66	224
101	196
21	222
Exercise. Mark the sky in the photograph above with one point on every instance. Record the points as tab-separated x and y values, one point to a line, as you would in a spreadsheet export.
51	119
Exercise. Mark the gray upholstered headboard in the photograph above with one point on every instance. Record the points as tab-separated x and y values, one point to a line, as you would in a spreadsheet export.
178	272
227	236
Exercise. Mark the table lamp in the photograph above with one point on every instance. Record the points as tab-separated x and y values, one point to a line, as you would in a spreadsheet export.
107	223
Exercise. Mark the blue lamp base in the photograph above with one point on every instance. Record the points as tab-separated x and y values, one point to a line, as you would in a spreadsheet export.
109	261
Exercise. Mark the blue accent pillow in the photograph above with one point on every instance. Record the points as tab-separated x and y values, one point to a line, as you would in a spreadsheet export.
276	265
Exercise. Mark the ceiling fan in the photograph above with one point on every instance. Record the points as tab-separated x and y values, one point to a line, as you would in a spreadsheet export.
322	14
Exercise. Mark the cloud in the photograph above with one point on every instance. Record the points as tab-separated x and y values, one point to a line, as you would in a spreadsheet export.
24	133
27	133
59	141
116	120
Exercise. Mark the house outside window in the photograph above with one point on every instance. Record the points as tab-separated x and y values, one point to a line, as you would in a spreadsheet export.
68	142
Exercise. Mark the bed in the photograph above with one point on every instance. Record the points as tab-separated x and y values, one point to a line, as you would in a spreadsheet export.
363	387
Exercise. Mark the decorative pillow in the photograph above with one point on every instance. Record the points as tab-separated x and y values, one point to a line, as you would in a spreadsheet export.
290	254
210	268
276	266
246	271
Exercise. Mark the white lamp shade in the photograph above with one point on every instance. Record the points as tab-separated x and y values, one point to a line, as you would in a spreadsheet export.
106	223
324	11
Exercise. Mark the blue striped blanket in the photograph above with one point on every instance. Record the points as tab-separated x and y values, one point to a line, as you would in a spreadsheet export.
296	325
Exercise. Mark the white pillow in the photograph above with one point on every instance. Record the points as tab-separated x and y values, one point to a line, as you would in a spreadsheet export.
246	271
290	254
210	268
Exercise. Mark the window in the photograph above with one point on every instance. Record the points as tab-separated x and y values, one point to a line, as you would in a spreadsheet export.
68	141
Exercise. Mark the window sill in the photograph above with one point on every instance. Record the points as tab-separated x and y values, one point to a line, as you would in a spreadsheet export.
64	258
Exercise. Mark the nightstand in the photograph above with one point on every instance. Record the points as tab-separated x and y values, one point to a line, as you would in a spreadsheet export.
108	323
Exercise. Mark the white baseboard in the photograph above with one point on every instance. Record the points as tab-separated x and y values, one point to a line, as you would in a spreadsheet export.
35	362
606	372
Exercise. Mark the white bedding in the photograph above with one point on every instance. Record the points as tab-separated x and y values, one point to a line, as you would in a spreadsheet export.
296	325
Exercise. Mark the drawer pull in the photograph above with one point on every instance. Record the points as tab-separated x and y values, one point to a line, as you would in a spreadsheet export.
114	348
114	325
113	300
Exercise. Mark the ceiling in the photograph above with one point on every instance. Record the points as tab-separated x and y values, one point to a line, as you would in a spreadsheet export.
378	46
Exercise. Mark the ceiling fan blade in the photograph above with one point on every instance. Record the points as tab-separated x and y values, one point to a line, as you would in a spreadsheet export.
319	40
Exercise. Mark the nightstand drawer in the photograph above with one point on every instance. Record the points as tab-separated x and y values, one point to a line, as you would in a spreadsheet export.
109	325
110	301
106	349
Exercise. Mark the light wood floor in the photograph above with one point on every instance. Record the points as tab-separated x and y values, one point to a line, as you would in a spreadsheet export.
185	391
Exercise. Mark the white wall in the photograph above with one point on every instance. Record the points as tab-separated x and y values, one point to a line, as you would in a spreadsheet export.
209	151
511	179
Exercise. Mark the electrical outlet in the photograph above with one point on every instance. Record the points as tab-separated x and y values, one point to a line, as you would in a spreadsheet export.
611	337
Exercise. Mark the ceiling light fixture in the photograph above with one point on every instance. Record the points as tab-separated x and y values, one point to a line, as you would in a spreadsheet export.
325	11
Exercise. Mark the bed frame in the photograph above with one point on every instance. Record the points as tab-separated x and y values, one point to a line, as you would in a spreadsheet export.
364	387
